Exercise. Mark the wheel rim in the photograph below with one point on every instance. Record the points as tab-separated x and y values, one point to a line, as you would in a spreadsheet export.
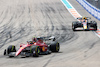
57	47
12	48
37	51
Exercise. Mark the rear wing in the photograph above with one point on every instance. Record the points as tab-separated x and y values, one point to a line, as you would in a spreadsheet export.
80	18
52	38
49	38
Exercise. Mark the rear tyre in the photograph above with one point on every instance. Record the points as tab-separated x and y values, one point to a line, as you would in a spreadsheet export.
55	47
95	28
94	24
35	51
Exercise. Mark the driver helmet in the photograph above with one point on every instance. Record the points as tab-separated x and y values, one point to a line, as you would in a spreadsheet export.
34	39
84	18
29	42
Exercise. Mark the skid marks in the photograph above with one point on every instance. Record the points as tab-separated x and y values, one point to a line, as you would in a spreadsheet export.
53	25
26	20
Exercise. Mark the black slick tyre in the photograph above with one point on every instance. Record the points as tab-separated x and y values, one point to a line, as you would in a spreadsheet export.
95	27
35	50
10	49
55	47
73	25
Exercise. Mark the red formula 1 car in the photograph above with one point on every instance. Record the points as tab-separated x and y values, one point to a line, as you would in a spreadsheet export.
34	48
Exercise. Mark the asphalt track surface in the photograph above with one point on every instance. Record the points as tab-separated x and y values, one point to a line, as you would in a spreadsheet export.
20	20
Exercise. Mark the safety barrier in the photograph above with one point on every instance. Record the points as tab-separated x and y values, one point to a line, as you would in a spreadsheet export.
90	8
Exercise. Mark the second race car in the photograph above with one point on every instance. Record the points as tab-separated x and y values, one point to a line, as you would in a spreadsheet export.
84	23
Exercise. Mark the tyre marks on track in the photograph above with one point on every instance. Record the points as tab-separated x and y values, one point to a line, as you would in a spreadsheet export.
49	60
23	21
52	26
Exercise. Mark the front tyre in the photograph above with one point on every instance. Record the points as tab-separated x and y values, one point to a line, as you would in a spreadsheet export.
73	26
94	23
10	49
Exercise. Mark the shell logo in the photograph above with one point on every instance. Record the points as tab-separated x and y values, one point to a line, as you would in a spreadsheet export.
43	48
22	48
